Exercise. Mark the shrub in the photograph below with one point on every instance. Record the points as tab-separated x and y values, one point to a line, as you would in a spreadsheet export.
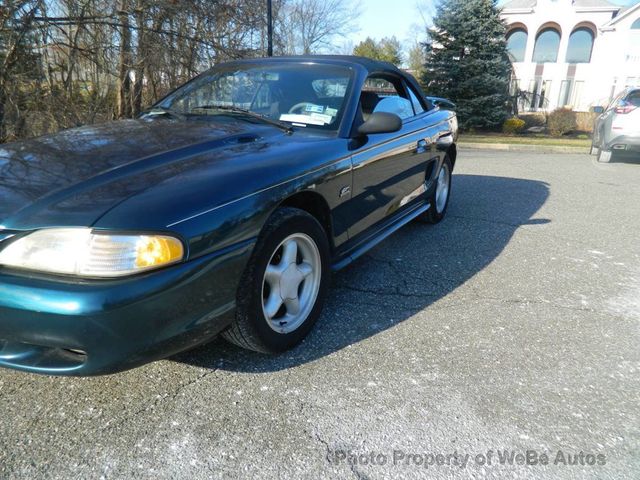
561	121
533	120
513	125
585	121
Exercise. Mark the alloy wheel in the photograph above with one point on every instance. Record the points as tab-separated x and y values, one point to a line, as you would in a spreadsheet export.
442	188
291	283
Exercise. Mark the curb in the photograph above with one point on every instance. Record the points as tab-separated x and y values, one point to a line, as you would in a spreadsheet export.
506	147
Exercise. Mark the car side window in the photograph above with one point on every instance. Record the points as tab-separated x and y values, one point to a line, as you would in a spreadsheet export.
381	95
614	103
634	98
417	106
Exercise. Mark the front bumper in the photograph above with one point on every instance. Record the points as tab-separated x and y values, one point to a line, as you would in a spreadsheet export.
79	327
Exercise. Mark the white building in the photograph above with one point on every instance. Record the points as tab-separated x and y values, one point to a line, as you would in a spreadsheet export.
573	53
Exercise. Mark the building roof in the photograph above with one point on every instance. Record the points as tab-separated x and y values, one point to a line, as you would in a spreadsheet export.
623	13
595	3
516	4
513	4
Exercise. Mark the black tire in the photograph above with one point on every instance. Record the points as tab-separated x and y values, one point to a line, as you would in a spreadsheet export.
250	328
432	215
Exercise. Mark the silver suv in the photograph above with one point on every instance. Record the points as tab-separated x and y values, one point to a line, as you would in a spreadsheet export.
617	128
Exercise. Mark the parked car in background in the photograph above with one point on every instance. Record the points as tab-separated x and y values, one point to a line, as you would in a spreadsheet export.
223	208
617	128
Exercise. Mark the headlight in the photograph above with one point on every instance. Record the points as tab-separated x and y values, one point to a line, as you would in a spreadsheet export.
83	252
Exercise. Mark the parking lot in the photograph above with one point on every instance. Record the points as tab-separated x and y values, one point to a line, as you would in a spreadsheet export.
511	327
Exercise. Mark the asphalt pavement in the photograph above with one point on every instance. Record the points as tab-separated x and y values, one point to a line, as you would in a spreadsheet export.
501	343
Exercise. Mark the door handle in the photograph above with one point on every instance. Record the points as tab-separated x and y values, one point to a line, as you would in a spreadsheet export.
423	146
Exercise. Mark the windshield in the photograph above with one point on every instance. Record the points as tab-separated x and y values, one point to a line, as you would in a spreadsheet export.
304	95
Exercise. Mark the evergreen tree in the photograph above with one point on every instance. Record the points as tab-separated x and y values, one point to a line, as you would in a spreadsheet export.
467	61
386	50
391	51
367	48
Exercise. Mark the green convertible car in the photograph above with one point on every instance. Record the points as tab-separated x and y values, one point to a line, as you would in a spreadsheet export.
222	209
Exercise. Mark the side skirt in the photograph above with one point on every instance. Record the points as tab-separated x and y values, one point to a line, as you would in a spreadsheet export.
378	237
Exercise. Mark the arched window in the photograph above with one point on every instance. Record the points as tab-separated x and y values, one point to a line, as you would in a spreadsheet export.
636	25
547	44
517	44
580	46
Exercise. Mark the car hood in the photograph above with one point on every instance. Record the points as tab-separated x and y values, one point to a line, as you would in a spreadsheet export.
73	177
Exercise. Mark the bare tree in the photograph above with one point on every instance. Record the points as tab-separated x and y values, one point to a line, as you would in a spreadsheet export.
69	62
311	26
16	20
124	62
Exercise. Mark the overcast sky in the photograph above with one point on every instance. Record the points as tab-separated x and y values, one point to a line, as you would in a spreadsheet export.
402	18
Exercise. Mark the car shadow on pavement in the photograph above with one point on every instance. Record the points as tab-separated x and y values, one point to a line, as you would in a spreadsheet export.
405	274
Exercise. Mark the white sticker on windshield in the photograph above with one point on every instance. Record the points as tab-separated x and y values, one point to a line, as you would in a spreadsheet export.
321	116
297	118
314	108
331	111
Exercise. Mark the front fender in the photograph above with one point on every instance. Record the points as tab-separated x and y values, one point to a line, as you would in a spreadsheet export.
242	220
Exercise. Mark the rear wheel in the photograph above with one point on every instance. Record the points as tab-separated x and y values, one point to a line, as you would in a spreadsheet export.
284	285
439	200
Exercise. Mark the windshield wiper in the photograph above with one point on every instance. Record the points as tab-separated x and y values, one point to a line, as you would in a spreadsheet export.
229	108
163	111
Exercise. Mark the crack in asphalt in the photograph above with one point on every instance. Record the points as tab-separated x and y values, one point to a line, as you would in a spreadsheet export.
403	274
400	273
326	446
518	301
486	220
359	475
525	301
391	264
352	466
506	301
393	293
110	425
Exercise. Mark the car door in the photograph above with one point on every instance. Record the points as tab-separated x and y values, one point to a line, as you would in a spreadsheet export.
389	169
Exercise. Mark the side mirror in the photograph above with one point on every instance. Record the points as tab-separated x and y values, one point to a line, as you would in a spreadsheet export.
445	105
381	122
597	109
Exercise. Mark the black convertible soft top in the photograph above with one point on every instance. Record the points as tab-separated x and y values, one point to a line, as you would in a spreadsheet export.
370	65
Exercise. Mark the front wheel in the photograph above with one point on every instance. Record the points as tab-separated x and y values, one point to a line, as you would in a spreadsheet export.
284	285
439	200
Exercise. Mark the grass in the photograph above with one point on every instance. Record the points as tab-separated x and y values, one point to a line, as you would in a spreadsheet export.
524	140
